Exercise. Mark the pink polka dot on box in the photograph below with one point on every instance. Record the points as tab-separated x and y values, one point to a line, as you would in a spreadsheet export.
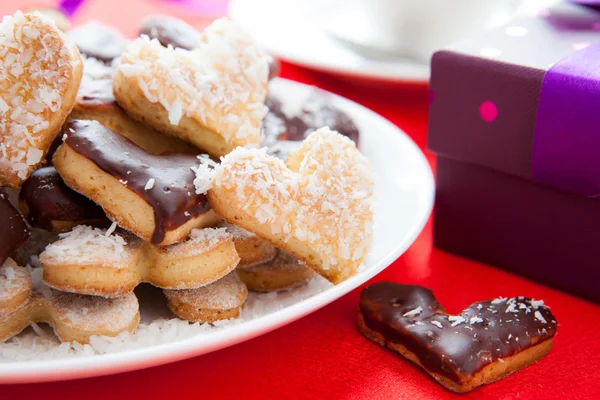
514	124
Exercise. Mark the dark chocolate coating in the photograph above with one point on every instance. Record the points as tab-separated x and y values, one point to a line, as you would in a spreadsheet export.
457	352
53	147
282	133
98	41
172	197
46	198
13	229
170	31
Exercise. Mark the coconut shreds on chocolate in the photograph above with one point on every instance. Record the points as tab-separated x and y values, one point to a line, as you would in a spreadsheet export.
35	72
332	189
222	84
205	174
86	244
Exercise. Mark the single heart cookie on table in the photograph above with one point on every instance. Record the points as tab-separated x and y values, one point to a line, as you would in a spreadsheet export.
484	343
40	71
94	261
25	300
318	207
212	96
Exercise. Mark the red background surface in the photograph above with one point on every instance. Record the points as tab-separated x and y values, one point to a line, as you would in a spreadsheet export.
322	356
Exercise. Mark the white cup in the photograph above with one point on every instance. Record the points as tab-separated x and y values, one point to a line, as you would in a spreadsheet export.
418	28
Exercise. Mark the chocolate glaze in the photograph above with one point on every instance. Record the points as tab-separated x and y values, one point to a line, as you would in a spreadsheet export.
53	147
99	41
508	326
170	31
46	198
13	230
283	133
173	195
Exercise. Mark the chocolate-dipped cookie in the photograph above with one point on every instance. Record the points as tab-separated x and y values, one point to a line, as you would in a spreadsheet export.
13	229
485	342
47	203
152	196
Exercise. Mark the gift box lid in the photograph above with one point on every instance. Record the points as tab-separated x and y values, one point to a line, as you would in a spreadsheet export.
521	99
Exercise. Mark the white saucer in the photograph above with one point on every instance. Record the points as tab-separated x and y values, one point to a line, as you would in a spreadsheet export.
303	33
404	198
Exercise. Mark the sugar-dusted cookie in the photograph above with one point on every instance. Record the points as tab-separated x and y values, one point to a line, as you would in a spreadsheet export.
73	317
281	273
151	196
40	70
251	248
95	262
223	299
485	342
212	96
318	207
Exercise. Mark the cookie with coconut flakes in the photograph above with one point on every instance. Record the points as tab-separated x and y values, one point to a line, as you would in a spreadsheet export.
212	96
317	207
152	196
40	71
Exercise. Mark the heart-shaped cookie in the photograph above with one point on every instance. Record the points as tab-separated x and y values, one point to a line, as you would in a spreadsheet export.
318	207
212	96
40	71
485	342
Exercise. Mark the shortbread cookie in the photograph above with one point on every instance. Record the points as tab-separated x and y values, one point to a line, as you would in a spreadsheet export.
98	41
47	203
96	262
318	207
95	101
170	31
151	196
252	249
40	70
282	273
73	317
485	342
223	299
13	229
212	96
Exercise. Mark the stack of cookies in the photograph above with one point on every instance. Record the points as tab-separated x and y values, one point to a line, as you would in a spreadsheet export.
125	162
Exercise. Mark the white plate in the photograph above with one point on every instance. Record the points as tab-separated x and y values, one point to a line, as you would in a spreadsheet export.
404	198
297	31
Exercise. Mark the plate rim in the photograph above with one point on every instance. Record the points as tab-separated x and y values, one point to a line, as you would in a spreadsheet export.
135	359
418	78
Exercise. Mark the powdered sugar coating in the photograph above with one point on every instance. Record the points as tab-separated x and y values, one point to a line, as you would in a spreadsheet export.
36	69
85	244
13	280
199	241
225	294
236	232
95	313
222	84
323	199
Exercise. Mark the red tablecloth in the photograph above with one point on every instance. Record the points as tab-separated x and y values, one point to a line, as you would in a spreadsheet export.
322	355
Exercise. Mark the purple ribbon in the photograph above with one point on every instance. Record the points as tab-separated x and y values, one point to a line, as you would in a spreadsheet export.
567	130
